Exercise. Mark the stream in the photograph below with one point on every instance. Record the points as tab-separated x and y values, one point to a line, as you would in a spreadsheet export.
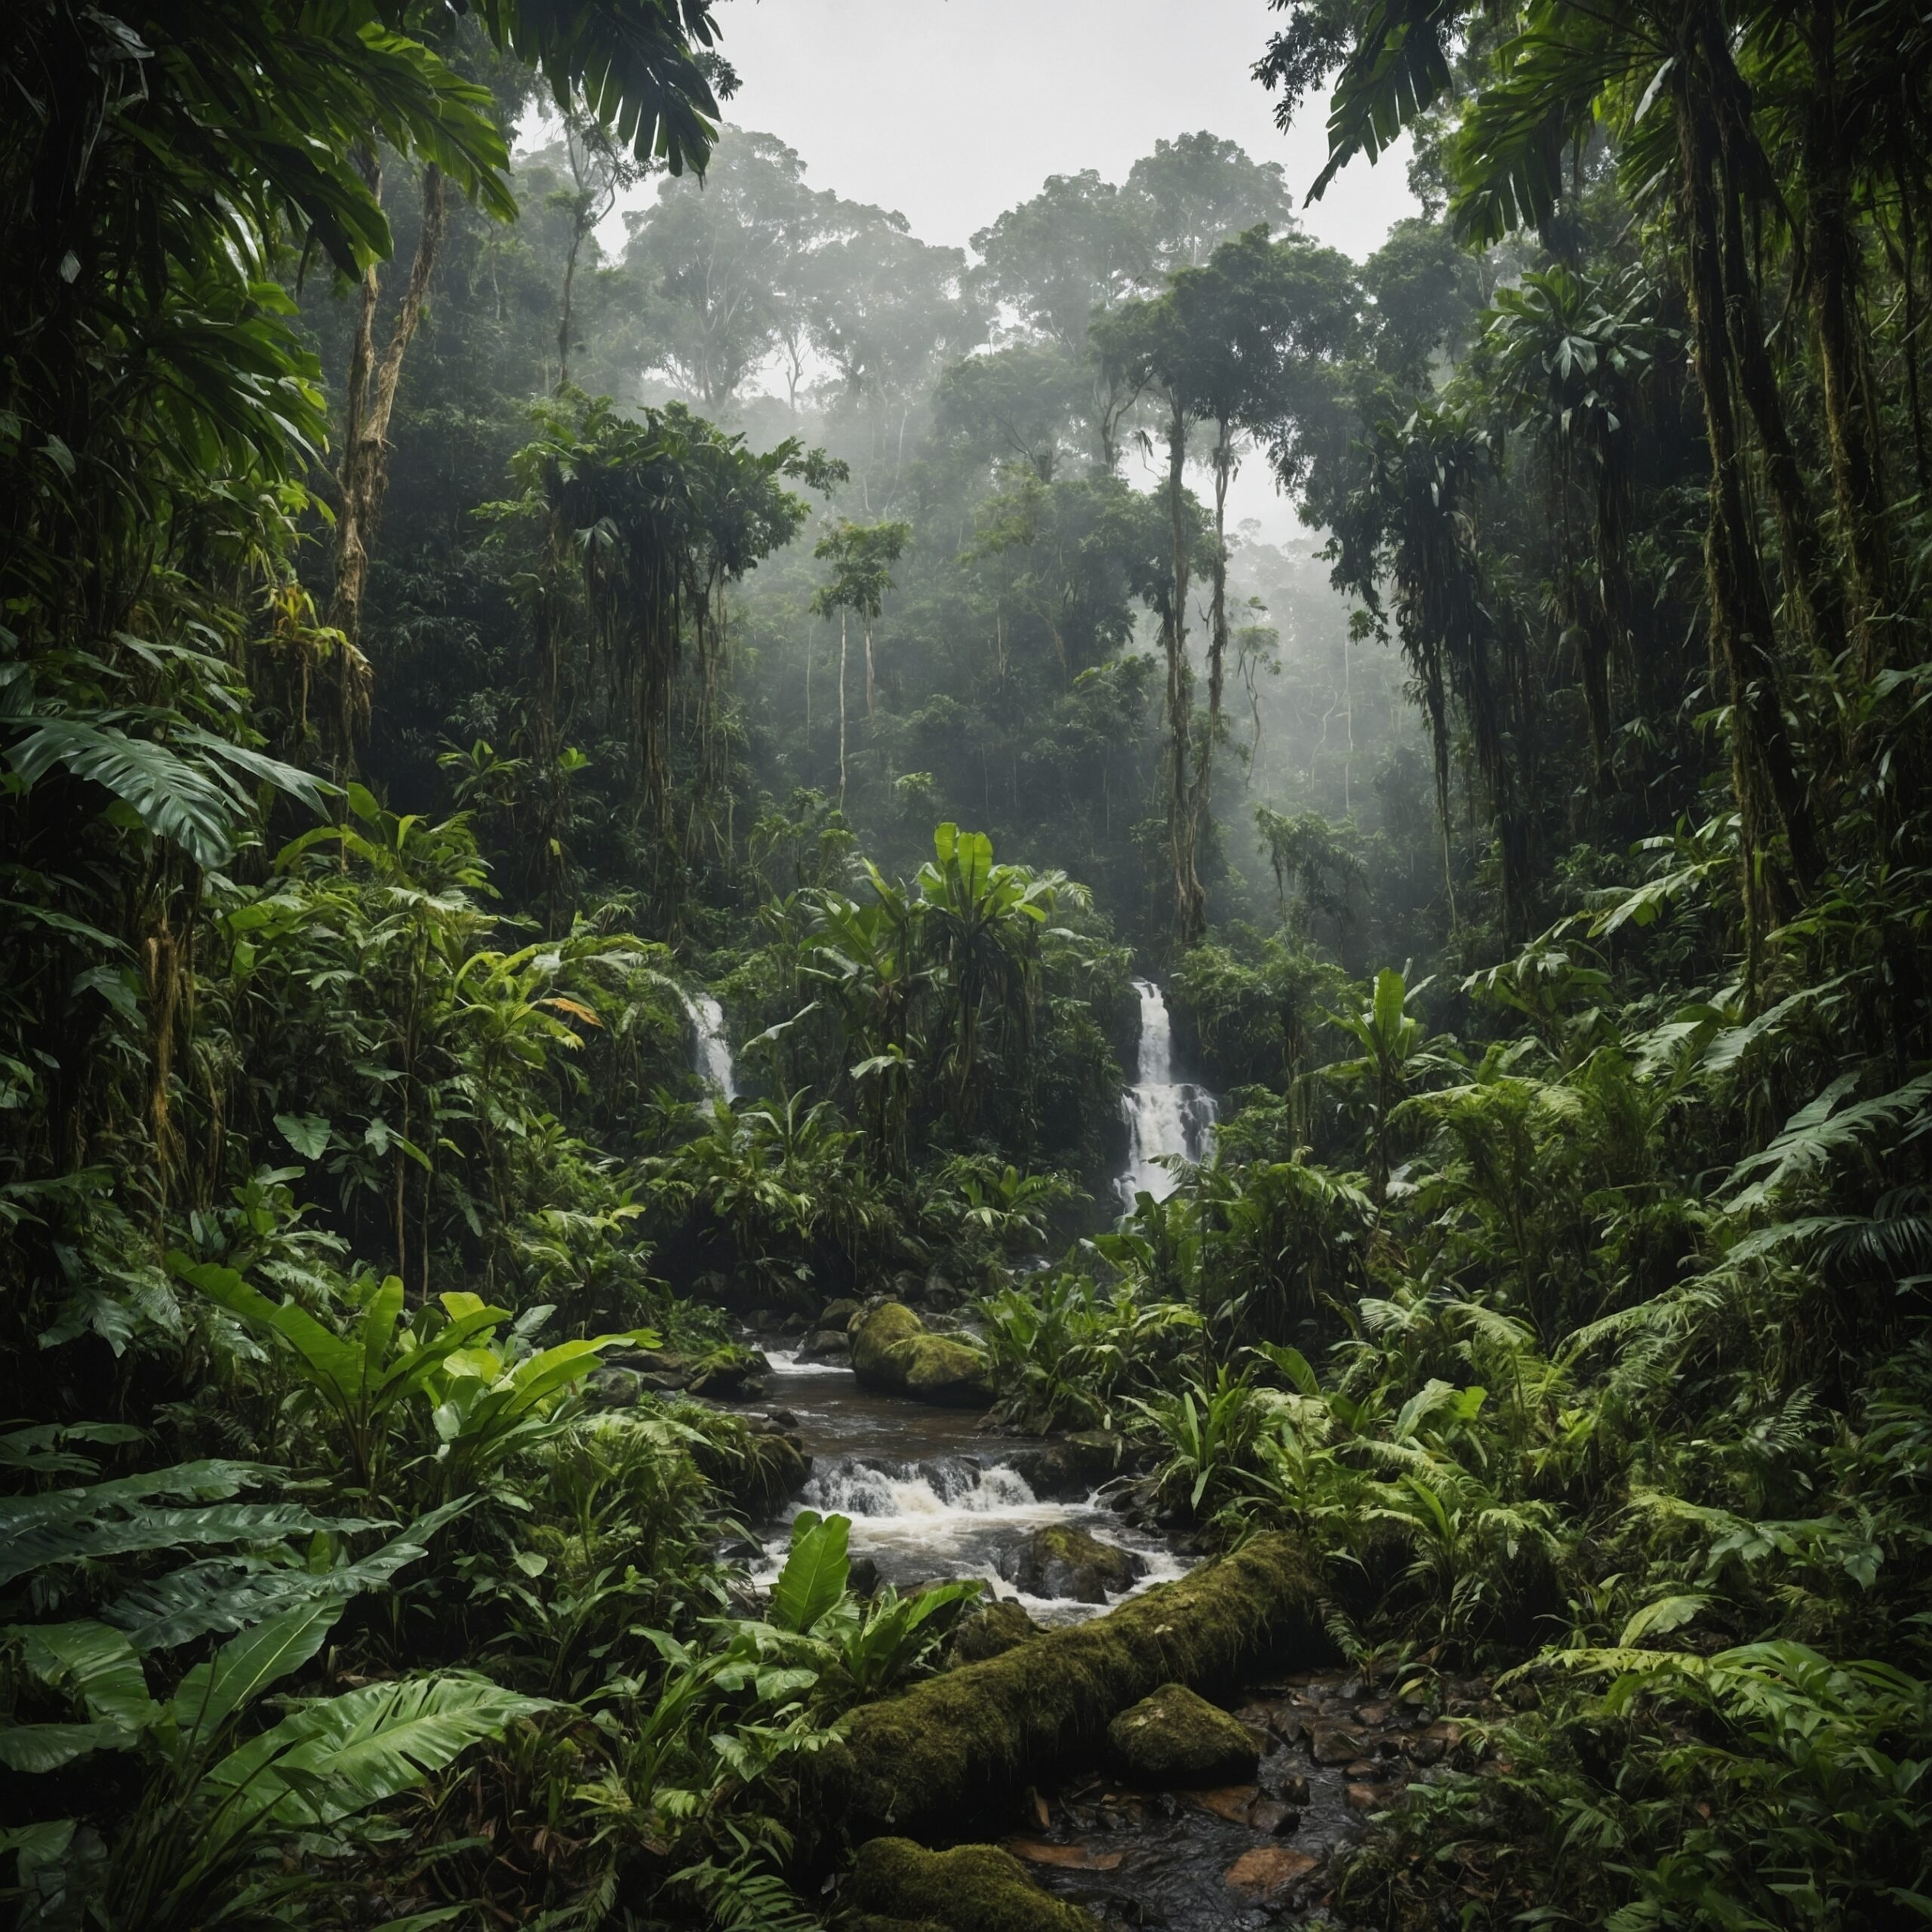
934	1493
933	1496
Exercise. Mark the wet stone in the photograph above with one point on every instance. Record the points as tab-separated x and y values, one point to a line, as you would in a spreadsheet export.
1066	1857
1269	1871
1291	1788
1233	1802
1368	1796
1060	1561
1276	1820
1333	1744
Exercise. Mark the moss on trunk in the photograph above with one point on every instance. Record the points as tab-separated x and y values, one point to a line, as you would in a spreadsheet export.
928	1760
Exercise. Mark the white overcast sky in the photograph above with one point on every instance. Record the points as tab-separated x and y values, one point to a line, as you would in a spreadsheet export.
952	110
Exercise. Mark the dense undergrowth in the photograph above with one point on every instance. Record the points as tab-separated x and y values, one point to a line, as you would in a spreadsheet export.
401	738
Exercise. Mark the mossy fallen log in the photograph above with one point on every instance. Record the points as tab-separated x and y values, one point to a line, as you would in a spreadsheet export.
973	1888
928	1761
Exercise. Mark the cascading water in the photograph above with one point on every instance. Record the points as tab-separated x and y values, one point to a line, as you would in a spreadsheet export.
714	1051
929	1497
1163	1116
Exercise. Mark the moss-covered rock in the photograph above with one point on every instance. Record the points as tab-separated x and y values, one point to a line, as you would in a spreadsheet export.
1059	1560
990	1631
877	1333
1176	1737
940	1370
957	1742
971	1888
892	1350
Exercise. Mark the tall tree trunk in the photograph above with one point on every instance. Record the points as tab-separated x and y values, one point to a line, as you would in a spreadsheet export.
1831	246
371	398
1736	161
1764	772
1201	794
1173	637
841	711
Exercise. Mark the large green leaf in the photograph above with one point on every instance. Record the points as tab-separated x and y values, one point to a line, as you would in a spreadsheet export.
330	1760
37	1748
230	1593
174	798
246	1666
813	1579
86	1538
96	1663
334	1365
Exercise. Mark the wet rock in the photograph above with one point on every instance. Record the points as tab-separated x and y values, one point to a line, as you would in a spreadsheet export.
991	1631
1277	1820
1367	1797
892	1350
1269	1872
661	1371
1176	1737
1432	1744
784	1418
1293	1790
862	1576
837	1314
1060	1560
1076	1464
1335	1744
1066	1857
730	1375
971	1888
827	1345
1363	1767
612	1388
1374	1714
1233	1802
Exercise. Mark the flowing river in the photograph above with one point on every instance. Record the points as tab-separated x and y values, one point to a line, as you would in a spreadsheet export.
931	1496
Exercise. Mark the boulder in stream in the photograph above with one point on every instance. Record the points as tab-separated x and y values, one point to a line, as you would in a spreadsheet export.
1058	1560
827	1345
971	1888
1176	1737
892	1350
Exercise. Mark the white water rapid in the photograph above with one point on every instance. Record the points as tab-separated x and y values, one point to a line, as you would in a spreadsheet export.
929	1496
714	1051
1163	1116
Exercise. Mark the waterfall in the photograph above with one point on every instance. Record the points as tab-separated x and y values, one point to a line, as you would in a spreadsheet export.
714	1051
1163	1116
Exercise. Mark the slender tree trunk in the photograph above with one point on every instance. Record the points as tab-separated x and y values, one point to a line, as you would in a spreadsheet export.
1735	158
371	398
564	319
841	711
1765	775
1180	845
1200	796
869	671
1831	246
